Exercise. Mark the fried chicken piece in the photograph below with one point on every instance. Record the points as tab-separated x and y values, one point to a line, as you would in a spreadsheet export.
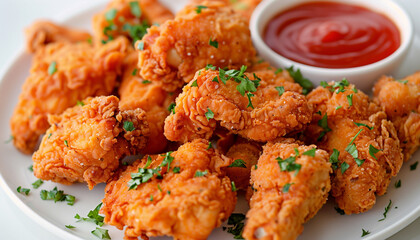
41	33
61	75
400	99
122	18
290	185
245	154
186	205
244	7
137	93
175	50
199	108
85	143
364	144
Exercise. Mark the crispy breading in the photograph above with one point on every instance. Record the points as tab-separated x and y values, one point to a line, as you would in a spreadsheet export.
285	198
85	143
244	7
41	33
360	173
107	26
175	50
400	99
137	93
272	116
80	71
182	205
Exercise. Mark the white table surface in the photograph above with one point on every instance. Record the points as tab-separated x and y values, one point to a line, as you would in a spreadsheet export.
14	16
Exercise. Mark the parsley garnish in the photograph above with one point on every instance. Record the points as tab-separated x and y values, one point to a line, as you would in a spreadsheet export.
340	85
303	82
66	143
339	210
135	9
143	175
323	122
194	84
31	168
110	15
128	126
236	220
286	187
101	233
151	198
334	159
289	164
57	196
171	108
350	99
344	167
200	173
176	169
209	114
23	190
338	107
69	226
387	208
414	166
215	79
80	103
402	81
10	139
137	32
364	125
52	68
310	152
134	73
167	160
210	146
255	166
279	70
280	90
146	81
214	43
232	183
140	46
373	151
37	183
93	216
365	232
238	163
159	188
49	135
398	184
209	66
352	149
199	8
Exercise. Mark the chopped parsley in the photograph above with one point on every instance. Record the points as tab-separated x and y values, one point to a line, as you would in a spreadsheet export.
236	225
93	216
215	79
365	232
209	66
134	73
289	164
373	151
135	9
176	169
23	190
402	81
57	196
338	107
238	163
66	143
167	160
10	139
128	126
387	208
210	146
146	81
280	90
323	122
350	99
31	168
69	226
80	103
140	46
171	108
101	233
279	70
364	125
214	43
137	32
339	210
37	183
310	152
344	167
334	159
148	162
352	150
151	198
397	184
200	173
199	8
286	187
414	166
209	114
232	183
143	175
194	84
110	15
159	188
298	77
52	68
340	85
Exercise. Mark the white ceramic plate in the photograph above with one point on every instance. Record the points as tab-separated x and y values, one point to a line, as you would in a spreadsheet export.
327	224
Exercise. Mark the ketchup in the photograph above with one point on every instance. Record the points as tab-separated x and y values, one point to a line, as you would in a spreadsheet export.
332	35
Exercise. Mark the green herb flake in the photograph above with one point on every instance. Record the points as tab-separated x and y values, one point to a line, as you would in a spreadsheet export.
80	103
289	164
167	160
365	232
49	135
110	15
238	163
31	168
66	143
151	198
334	159
310	153
10	139
128	126
215	79
209	114
209	66
57	196
200	173
37	183
324	84
148	162
414	166
168	192
364	125
279	70
134	73
159	188
70	226
135	9
194	84
350	99
146	82
339	86
286	187
339	211
176	169
232	183
23	190
209	146
359	162
52	68
255	167
213	43
199	8
387	208
373	151
101	233
344	167
236	225
298	77
140	46
397	184
323	122
171	108
338	107
93	216
402	81
280	90
143	175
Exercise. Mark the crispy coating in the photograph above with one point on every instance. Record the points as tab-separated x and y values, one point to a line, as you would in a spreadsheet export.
81	71
247	151
180	205
244	7
85	143
401	102
277	213
135	93
41	33
354	188
272	116
174	51
125	23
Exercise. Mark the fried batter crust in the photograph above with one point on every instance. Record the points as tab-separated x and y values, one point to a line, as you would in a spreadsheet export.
244	7
278	214
174	51
178	205
85	143
354	190
401	102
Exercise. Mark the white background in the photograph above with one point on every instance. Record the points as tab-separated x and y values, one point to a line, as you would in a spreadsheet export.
14	16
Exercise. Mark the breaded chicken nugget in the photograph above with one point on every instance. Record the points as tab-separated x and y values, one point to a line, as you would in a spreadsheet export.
61	75
400	99
291	183
129	18
257	109
364	147
171	53
86	143
138	93
183	194
41	33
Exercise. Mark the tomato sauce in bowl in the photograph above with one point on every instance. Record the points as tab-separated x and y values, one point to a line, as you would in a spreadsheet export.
332	35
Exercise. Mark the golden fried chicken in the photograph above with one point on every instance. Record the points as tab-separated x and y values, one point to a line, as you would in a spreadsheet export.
400	99
183	194
129	18
85	143
364	147
244	7
291	183
256	109
171	53
41	33
138	93
245	155
61	75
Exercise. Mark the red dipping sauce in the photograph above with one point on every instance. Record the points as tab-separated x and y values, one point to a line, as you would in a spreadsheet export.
332	35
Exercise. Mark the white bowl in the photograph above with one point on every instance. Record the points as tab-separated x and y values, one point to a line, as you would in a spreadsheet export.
363	77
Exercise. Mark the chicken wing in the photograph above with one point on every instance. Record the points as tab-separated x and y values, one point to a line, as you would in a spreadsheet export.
291	183
364	147
400	99
85	143
61	75
171	53
183	194
258	109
